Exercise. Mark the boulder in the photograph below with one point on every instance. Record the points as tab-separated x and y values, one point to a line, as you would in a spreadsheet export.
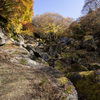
98	43
82	53
3	37
62	82
93	66
77	45
55	50
87	40
35	54
71	41
86	83
91	47
18	41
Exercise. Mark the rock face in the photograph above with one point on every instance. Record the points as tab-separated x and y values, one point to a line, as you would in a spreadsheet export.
31	80
34	53
3	38
78	61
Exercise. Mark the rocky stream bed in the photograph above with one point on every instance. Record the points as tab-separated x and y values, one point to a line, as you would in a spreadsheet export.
32	70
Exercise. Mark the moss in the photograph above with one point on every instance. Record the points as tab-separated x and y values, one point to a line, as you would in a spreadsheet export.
93	64
86	84
62	80
67	55
88	37
47	64
43	81
64	97
86	73
23	61
81	53
75	56
83	68
89	87
60	66
78	68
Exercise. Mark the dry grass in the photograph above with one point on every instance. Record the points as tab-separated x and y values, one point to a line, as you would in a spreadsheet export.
20	82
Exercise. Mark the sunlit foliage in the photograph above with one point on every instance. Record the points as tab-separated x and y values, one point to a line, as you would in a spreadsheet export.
88	24
51	25
16	12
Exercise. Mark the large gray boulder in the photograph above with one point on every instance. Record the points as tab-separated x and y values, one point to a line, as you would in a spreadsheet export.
35	54
19	41
3	37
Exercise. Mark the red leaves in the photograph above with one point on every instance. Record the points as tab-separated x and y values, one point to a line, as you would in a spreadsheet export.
28	26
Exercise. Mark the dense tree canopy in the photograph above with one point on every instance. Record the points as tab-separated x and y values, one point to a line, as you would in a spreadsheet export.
16	12
88	24
51	25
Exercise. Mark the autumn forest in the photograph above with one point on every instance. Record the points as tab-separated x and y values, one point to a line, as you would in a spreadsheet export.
19	19
48	56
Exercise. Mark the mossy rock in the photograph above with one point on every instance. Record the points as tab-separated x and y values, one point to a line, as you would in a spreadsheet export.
88	37
86	83
77	68
68	88
81	53
62	80
67	55
65	49
87	40
23	61
77	45
88	89
60	66
75	57
94	66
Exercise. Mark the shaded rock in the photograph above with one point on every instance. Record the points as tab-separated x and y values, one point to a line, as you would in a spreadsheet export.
60	65
93	66
87	40
86	83
78	67
54	50
45	56
98	44
41	44
40	48
33	53
65	68
71	41
77	45
65	49
91	48
68	60
82	53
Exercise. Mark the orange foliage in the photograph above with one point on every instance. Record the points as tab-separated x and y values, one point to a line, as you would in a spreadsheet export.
28	26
